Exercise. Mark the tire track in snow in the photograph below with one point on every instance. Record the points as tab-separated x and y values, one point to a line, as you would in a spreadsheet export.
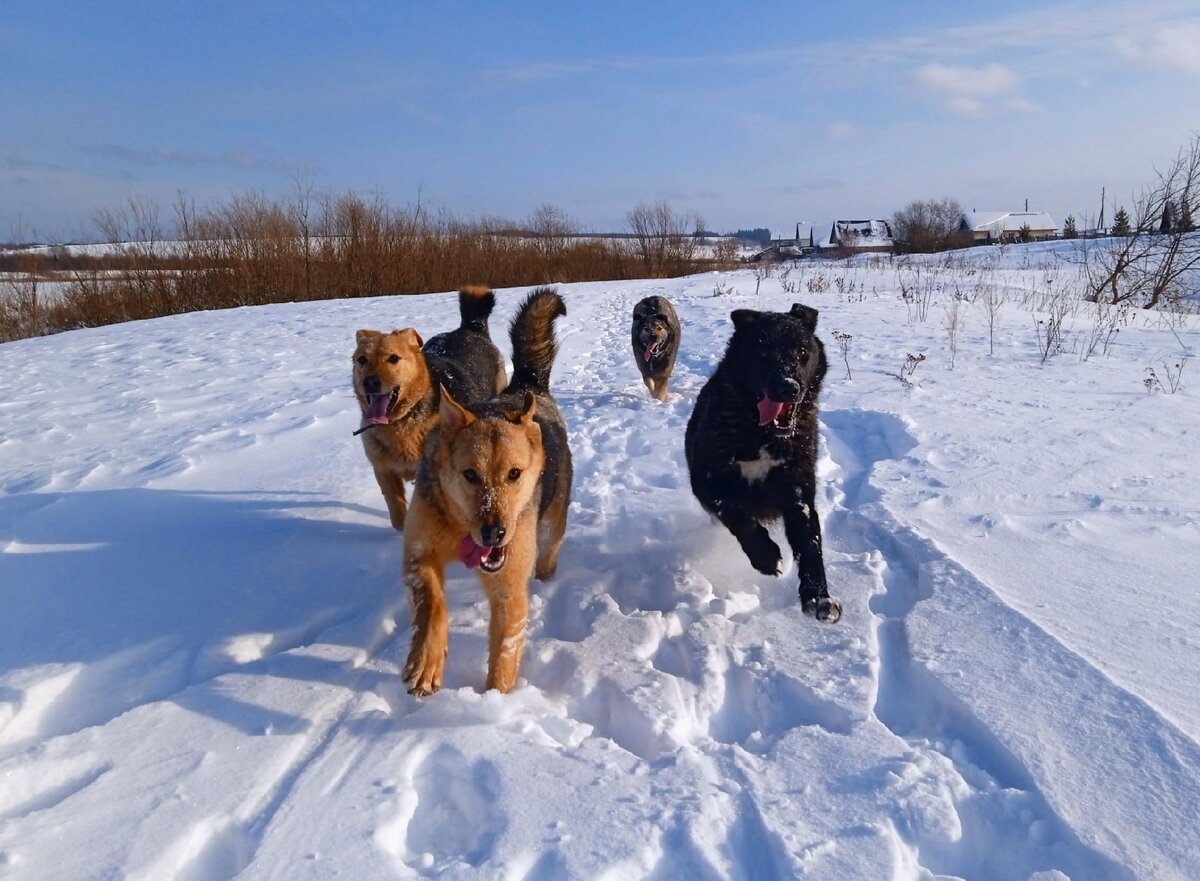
926	696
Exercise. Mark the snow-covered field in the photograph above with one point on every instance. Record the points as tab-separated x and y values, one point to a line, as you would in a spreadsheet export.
202	624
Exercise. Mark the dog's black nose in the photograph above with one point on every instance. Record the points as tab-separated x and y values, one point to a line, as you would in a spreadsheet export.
790	388
492	535
372	385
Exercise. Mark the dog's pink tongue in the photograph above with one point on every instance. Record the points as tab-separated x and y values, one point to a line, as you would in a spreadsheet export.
768	411
649	353
471	553
377	410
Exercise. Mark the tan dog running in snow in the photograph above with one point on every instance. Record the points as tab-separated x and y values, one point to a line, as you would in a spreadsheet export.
492	491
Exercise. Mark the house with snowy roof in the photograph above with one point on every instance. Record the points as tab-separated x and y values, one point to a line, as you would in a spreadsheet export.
786	245
1005	226
861	236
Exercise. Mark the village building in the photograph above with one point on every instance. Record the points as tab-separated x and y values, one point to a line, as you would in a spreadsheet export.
788	245
1005	226
861	237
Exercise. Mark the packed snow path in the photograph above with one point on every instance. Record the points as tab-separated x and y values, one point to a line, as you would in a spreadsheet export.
203	627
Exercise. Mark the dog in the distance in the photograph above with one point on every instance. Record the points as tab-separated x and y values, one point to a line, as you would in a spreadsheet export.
492	491
656	335
751	444
396	381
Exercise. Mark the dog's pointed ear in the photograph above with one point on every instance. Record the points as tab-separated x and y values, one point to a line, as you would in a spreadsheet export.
744	317
529	408
410	336
362	336
453	414
806	314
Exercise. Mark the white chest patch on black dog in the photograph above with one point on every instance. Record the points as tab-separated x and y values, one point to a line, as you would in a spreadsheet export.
757	469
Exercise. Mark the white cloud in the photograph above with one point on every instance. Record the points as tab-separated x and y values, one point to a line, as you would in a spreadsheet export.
840	130
1176	47
974	91
992	79
967	106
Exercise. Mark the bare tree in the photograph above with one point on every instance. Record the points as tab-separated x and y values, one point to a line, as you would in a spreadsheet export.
926	226
300	211
552	230
953	325
992	297
665	240
1158	261
20	302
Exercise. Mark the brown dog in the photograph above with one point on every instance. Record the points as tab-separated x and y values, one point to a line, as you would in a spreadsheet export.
396	380
656	334
492	491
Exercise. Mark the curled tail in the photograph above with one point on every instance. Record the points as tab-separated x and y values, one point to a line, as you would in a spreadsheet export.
475	305
533	342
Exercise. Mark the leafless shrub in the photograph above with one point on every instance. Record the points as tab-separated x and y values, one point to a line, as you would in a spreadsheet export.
726	252
910	365
916	289
1107	322
313	244
720	289
991	298
1173	372
844	340
22	312
761	271
953	324
789	285
1049	330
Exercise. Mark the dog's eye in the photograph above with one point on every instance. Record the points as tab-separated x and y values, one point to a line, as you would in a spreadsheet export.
362	359
393	359
471	476
514	474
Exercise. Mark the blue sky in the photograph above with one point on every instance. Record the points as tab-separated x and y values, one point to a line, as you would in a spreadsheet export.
755	114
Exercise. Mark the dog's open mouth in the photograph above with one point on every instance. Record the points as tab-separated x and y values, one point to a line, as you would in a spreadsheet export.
779	416
654	350
473	554
379	406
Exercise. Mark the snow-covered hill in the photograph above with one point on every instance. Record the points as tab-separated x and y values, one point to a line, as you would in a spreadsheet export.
201	622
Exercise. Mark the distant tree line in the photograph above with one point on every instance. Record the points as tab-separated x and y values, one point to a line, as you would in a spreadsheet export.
759	234
317	245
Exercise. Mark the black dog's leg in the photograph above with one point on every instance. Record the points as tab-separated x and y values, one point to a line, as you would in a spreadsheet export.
753	537
803	529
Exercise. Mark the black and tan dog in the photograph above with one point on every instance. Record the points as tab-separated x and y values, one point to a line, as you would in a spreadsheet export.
656	335
751	444
492	491
396	380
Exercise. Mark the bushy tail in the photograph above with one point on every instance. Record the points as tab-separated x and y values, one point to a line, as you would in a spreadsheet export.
533	342
475	305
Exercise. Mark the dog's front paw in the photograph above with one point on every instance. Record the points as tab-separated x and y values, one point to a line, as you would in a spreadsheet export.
763	552
827	610
423	672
